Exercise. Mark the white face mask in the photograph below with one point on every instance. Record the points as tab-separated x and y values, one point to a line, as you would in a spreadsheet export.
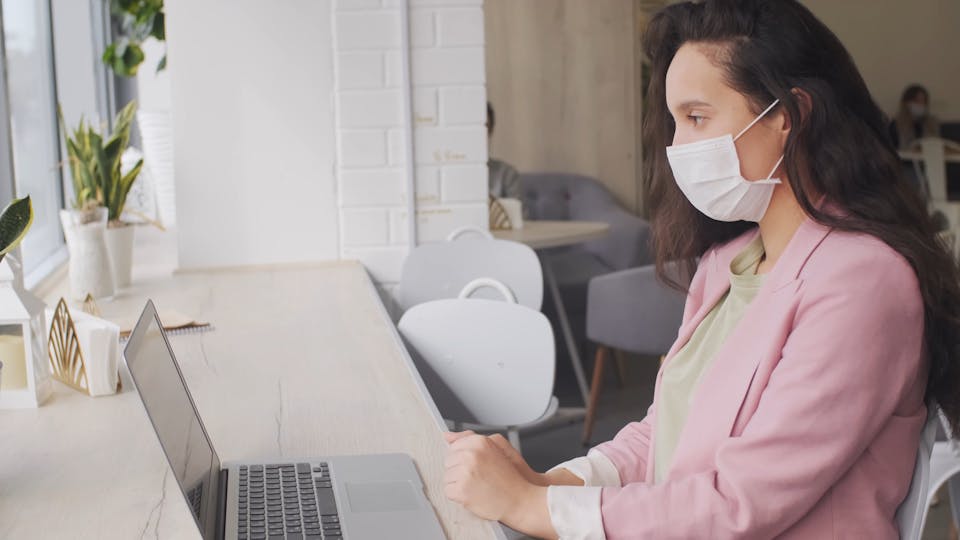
917	110
708	173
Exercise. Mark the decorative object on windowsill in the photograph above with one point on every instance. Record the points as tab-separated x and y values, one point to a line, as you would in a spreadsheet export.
26	381
141	207
137	20
100	242
505	213
84	351
90	306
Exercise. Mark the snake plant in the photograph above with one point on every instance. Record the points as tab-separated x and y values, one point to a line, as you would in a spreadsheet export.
15	221
95	164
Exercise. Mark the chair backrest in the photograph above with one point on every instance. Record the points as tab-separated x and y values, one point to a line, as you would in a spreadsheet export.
440	270
483	361
910	515
563	196
633	311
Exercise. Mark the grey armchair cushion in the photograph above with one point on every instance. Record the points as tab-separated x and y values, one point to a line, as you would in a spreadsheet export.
560	196
632	311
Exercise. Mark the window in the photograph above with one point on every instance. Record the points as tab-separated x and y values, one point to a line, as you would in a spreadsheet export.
34	141
49	53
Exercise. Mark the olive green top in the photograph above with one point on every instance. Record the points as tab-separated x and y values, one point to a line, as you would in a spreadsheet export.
682	373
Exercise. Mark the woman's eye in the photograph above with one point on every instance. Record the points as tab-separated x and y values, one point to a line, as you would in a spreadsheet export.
697	120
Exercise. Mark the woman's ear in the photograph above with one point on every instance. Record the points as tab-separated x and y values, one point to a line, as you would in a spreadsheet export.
804	103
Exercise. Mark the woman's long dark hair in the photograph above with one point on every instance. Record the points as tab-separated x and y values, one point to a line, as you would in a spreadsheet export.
838	147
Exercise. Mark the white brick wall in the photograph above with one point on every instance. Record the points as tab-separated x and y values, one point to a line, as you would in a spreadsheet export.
448	101
460	27
362	148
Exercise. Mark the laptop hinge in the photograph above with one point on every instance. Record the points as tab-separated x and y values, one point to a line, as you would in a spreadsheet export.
222	505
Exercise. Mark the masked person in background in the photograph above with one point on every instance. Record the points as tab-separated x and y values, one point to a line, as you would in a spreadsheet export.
913	120
822	319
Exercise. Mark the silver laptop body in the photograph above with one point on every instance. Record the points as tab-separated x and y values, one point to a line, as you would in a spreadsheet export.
350	497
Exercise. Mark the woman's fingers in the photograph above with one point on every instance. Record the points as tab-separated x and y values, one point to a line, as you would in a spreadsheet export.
503	444
452	436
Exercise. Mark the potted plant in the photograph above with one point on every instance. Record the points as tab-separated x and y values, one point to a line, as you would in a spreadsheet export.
139	41
137	20
100	242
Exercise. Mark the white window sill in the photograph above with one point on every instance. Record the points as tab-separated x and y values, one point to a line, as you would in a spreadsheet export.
42	280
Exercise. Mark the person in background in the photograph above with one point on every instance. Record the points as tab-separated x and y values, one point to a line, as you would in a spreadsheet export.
504	179
913	120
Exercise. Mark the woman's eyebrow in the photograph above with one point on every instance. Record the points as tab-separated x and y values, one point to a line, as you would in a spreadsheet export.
692	104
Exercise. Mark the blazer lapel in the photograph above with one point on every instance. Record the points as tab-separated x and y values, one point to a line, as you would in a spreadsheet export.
717	284
759	335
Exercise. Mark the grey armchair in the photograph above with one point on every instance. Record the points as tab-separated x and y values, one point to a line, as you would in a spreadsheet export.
629	311
560	196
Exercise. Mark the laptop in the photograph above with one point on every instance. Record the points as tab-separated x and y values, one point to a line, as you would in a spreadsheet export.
338	497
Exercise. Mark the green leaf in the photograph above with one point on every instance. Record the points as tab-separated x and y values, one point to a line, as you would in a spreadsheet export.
158	31
132	58
120	199
15	221
162	65
109	54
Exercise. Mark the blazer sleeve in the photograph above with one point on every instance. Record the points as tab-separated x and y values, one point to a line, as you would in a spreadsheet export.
854	352
630	448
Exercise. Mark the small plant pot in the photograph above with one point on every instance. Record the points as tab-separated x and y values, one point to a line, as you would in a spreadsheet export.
90	271
119	240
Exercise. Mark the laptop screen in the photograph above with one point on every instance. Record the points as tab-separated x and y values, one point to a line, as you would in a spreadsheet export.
168	403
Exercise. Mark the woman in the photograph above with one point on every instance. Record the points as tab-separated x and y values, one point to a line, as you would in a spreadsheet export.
913	120
821	319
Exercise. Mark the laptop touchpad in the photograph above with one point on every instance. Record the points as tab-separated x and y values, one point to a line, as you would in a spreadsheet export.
382	497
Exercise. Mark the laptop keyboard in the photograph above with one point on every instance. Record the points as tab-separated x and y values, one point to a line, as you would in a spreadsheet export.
291	501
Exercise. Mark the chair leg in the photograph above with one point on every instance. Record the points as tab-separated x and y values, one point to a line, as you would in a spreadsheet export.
621	367
594	393
513	435
953	488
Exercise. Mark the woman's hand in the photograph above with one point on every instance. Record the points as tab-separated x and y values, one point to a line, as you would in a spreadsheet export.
511	453
481	477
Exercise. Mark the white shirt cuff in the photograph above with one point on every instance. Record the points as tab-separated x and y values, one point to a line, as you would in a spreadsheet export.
595	469
575	512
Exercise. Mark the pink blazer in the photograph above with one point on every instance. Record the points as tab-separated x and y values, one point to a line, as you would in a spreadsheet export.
808	421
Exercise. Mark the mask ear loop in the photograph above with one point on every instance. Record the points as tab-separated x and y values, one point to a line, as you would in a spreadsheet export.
757	119
774	169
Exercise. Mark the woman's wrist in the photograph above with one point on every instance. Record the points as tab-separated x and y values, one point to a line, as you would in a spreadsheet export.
530	513
540	479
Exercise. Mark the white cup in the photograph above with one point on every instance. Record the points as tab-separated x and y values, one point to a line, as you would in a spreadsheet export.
514	210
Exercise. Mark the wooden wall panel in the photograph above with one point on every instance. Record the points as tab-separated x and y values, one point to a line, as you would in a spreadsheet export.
563	78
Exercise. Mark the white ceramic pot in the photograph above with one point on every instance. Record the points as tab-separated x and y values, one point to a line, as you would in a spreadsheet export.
119	241
90	271
156	132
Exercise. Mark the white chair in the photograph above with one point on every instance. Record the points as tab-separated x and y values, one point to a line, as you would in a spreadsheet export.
933	152
440	270
483	361
913	510
944	467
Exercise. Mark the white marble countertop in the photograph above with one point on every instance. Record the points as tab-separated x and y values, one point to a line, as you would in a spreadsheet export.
303	362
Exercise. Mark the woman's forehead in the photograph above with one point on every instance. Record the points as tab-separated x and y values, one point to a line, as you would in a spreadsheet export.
694	78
